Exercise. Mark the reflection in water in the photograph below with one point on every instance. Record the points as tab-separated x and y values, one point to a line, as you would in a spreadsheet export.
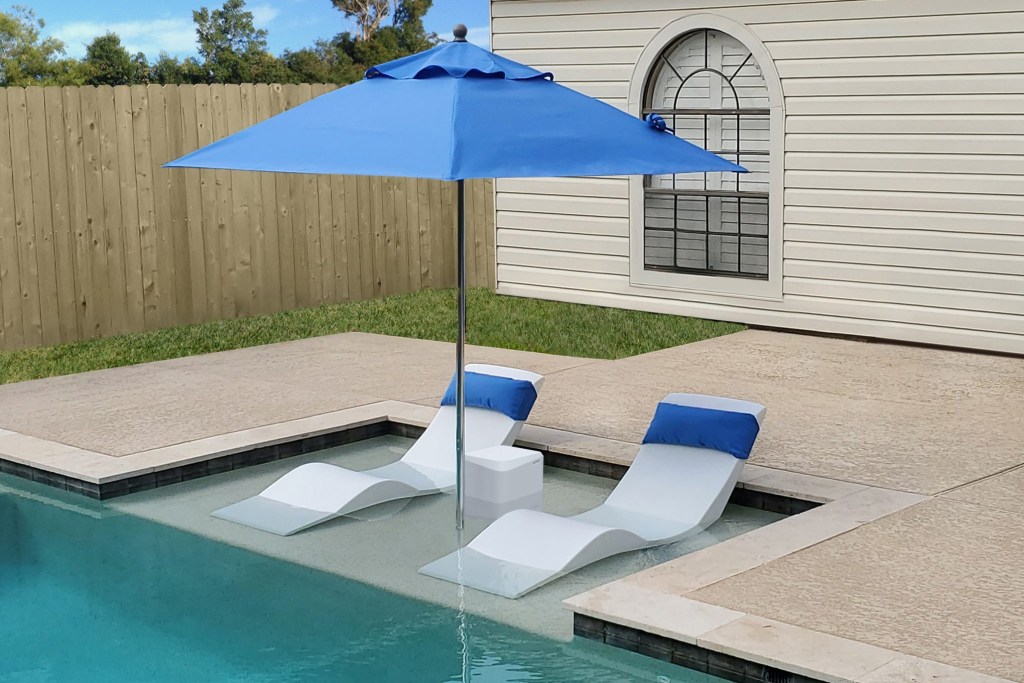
119	598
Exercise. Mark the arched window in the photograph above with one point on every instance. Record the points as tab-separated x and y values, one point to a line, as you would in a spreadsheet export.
709	87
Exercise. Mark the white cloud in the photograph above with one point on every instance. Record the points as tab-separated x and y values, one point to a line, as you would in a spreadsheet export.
175	36
480	35
262	15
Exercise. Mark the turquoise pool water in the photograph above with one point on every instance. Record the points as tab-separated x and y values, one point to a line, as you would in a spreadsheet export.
91	595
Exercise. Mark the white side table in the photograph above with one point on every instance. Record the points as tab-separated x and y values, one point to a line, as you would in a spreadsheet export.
503	478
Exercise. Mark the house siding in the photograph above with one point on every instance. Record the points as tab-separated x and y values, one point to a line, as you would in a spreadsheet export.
903	185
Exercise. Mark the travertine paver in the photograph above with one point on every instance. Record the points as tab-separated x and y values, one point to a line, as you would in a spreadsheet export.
1003	491
126	410
940	580
915	419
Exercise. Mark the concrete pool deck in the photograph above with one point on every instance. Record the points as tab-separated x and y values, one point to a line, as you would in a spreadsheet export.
912	573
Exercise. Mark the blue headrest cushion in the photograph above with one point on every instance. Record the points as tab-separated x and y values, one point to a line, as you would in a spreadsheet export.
721	430
513	397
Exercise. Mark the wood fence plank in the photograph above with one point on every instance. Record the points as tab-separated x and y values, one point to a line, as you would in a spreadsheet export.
224	231
388	245
42	216
285	236
479	233
163	278
124	123
112	235
412	199
353	226
266	254
378	192
24	221
367	234
257	235
192	182
400	230
339	238
97	296
438	225
208	193
57	163
423	228
12	331
325	223
242	190
149	240
489	226
181	266
78	211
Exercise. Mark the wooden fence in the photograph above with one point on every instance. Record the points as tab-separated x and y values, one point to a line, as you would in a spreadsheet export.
96	239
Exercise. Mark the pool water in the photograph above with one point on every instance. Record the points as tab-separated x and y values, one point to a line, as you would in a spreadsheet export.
91	594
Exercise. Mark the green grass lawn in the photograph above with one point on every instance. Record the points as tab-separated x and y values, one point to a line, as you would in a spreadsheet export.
506	322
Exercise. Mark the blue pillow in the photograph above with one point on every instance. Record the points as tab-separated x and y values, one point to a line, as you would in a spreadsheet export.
513	397
721	430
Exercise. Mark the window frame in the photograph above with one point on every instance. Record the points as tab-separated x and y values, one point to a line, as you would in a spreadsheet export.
699	282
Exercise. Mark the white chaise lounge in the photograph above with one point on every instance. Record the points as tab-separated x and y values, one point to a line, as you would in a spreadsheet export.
678	485
498	400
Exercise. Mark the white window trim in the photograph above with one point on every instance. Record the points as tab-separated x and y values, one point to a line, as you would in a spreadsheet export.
712	284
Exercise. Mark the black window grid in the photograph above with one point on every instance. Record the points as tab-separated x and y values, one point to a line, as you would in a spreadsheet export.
738	114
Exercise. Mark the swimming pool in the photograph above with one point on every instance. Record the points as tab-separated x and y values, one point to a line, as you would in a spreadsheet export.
91	593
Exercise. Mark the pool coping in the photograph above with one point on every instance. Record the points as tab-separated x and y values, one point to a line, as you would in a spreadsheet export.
650	612
102	476
646	612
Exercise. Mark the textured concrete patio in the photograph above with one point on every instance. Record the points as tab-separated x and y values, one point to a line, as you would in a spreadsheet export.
938	579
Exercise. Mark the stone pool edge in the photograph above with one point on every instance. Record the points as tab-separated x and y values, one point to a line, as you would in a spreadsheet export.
102	476
650	612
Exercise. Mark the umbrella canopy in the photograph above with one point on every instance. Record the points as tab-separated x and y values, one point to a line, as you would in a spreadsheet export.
455	112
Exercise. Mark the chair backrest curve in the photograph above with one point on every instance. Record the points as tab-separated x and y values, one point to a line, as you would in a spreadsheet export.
436	446
683	484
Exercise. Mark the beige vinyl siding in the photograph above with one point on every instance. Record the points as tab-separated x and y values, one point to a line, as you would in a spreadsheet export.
903	175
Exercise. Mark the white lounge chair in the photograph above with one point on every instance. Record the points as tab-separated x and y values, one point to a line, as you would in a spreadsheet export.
316	492
678	485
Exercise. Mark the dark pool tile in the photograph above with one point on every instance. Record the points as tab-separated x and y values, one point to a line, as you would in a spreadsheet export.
218	465
727	667
91	490
289	449
607	470
690	656
621	636
171	475
655	646
76	486
144	482
195	470
588	627
113	489
258	456
797	506
778	504
7	467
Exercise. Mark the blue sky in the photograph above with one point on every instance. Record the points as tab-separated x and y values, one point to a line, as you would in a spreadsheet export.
166	25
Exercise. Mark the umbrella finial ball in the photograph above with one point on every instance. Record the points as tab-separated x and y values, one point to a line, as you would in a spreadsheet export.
460	32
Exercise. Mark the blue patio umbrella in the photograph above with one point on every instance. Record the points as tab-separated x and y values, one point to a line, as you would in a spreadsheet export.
457	112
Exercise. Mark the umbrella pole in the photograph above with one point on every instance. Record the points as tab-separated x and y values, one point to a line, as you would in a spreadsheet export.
460	370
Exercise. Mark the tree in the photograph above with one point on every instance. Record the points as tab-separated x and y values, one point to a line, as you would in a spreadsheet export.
28	59
368	14
232	48
168	70
350	55
107	62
